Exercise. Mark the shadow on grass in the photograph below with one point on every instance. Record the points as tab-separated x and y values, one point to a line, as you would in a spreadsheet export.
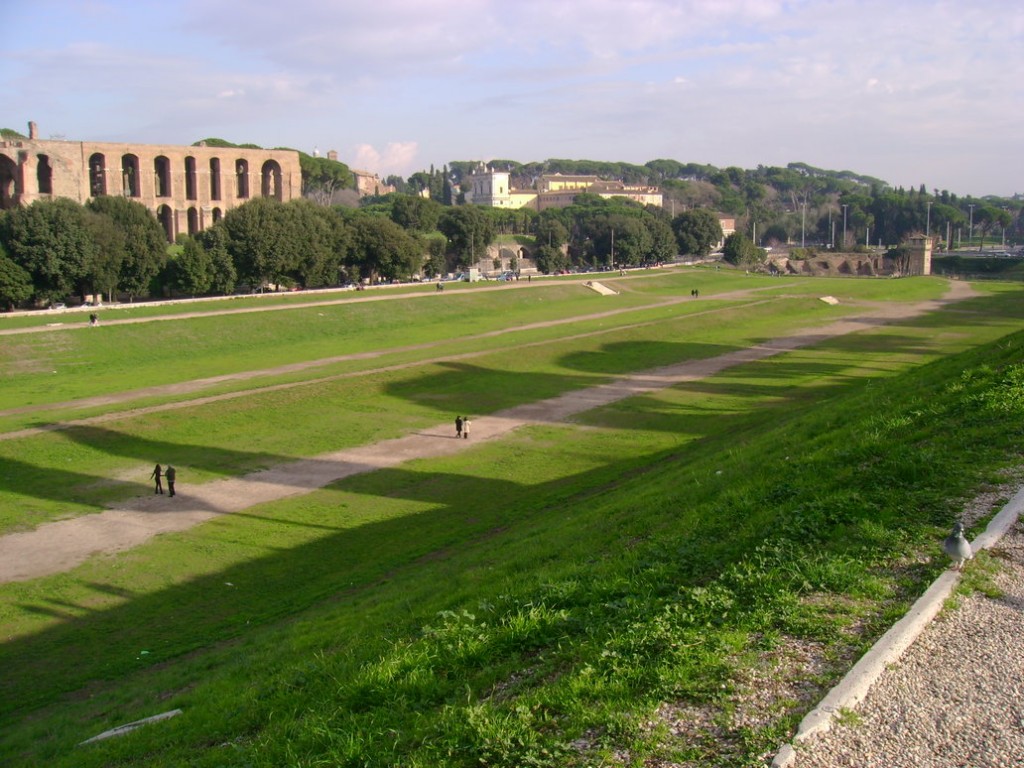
469	514
291	578
89	647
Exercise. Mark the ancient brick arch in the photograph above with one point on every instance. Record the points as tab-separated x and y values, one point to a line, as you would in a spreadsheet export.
9	188
271	179
242	179
188	188
162	175
97	174
165	216
44	175
131	177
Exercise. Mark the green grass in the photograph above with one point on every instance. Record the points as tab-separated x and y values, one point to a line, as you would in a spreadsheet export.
96	464
537	600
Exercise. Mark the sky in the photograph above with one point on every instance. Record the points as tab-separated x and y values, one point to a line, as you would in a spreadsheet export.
908	91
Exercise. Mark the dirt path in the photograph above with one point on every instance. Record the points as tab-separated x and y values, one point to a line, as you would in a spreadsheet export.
59	546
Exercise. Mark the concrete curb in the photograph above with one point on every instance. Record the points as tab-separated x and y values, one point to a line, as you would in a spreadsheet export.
853	688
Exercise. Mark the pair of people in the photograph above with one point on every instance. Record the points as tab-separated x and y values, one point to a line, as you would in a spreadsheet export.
160	474
462	427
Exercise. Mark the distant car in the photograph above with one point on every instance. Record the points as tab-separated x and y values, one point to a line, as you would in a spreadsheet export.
506	276
59	305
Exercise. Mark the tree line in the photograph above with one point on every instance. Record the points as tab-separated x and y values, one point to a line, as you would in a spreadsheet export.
56	249
772	205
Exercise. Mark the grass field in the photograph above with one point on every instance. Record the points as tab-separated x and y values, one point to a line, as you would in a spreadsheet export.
677	576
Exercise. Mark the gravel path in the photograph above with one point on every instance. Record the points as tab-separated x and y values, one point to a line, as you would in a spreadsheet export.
956	697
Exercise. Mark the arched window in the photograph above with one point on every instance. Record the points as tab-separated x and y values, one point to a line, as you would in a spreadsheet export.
165	216
130	175
271	179
216	215
97	175
242	179
215	178
193	221
8	183
44	175
162	169
190	178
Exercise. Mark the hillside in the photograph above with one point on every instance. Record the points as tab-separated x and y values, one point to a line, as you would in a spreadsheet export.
671	577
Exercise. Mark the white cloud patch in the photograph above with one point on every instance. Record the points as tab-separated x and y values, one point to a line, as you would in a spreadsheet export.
399	158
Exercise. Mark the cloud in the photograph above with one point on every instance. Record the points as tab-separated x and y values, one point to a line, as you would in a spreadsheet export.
398	158
875	86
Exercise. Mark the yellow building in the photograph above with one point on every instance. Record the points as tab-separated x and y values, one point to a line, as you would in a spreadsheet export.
494	189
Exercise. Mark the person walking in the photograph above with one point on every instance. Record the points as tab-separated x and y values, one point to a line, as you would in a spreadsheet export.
157	476
465	428
458	427
170	474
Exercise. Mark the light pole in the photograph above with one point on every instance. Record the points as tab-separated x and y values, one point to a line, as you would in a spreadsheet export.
970	227
928	221
832	232
845	206
803	223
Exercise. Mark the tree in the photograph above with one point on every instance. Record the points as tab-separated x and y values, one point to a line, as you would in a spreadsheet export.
741	251
50	240
435	246
419	214
315	238
775	234
105	270
215	242
550	231
663	239
15	282
144	241
322	177
550	259
382	248
257	240
191	271
620	240
697	231
469	231
988	216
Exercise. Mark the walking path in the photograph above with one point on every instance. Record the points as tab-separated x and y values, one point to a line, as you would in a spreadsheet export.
59	546
953	700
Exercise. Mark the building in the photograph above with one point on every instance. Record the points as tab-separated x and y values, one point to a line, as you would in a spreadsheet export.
367	183
728	225
188	188
494	189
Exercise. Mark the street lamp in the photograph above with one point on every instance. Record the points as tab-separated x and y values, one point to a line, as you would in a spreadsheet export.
845	206
970	228
803	223
928	221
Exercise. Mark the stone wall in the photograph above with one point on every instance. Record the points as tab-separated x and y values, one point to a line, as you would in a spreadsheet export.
187	188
